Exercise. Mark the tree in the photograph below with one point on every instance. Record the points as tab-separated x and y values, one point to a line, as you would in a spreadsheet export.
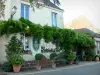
13	47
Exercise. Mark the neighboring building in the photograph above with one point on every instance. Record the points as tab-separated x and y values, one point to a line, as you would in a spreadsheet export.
97	38
47	14
93	35
82	24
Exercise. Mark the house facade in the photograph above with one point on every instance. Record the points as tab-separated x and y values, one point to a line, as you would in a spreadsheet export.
97	43
45	14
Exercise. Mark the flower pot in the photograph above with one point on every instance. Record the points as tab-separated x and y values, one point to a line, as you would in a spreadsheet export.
97	59
38	68
70	62
16	68
53	65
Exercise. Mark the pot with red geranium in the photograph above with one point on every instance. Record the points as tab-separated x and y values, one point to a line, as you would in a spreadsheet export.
52	58
16	60
71	57
38	57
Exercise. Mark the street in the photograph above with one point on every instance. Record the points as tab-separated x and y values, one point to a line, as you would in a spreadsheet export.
83	70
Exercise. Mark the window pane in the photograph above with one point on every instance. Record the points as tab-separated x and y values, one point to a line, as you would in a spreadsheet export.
26	43
54	19
22	10
26	12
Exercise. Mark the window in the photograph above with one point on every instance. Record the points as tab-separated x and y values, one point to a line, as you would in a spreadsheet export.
54	19
25	41
25	11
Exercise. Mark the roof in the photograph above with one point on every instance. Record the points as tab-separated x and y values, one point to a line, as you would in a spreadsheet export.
96	35
50	4
93	34
84	30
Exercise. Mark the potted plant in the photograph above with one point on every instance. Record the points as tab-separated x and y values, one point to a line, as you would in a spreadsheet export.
52	58
16	60
38	57
14	52
71	57
90	55
96	58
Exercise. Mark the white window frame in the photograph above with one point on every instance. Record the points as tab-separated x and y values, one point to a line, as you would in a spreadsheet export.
24	40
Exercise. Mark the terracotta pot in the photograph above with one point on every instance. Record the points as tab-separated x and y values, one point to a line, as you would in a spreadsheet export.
97	59
70	62
38	68
53	65
16	68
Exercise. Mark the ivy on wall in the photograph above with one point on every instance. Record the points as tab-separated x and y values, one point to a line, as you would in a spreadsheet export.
63	38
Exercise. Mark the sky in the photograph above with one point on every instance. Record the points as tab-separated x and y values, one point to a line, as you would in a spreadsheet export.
76	8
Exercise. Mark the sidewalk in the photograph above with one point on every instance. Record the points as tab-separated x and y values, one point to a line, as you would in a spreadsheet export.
32	72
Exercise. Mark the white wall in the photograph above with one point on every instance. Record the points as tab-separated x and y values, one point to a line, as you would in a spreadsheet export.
4	41
40	16
97	45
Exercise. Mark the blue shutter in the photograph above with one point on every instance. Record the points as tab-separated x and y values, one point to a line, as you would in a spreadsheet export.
26	12
54	19
22	10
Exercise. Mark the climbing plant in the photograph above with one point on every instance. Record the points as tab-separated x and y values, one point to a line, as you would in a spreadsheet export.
10	26
65	39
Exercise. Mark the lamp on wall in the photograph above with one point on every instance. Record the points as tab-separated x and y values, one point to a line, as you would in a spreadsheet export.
13	11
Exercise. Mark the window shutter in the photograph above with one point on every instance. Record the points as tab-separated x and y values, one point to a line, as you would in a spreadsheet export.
22	10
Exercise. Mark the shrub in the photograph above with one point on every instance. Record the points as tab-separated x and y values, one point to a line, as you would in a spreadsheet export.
7	67
71	56
38	56
14	46
16	60
53	55
14	51
90	54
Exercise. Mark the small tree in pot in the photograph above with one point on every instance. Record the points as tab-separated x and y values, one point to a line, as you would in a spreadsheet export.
14	52
71	57
52	57
38	57
17	61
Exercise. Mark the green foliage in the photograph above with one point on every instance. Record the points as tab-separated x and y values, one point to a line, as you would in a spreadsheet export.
84	41
34	29
57	36
10	26
38	56
48	33
64	39
68	39
71	55
14	51
90	54
16	59
6	67
14	47
53	55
